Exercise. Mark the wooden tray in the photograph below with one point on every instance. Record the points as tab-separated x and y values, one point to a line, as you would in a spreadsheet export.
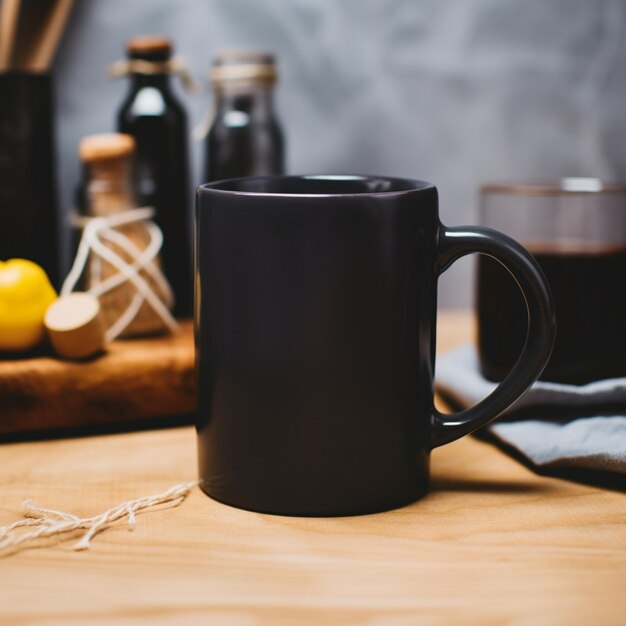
135	380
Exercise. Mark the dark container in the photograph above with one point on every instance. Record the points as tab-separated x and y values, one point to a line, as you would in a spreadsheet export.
152	114
28	189
315	339
576	230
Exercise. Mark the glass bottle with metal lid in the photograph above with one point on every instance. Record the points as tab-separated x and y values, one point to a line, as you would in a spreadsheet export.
245	138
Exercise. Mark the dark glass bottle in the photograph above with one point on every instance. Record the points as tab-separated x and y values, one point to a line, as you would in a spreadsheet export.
245	138
153	115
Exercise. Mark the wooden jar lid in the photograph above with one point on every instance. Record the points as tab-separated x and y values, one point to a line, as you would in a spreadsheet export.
105	146
148	45
75	326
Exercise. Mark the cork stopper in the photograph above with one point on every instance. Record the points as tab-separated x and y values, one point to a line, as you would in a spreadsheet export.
105	146
75	326
150	47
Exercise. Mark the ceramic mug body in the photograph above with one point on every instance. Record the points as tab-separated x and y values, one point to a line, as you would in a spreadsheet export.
315	331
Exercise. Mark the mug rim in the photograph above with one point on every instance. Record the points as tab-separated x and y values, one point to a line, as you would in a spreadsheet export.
404	185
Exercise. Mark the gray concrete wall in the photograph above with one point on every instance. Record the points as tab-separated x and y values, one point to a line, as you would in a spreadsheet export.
458	92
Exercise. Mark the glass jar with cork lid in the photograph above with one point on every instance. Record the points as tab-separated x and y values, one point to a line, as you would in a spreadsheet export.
119	243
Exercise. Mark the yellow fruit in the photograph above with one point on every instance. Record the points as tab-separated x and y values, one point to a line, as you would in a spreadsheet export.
25	294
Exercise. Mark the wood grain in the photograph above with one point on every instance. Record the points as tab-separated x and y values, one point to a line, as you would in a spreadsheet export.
135	380
491	544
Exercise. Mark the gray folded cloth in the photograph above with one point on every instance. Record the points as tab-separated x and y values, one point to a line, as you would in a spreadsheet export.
553	426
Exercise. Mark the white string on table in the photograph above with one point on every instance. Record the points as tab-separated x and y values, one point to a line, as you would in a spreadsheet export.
41	522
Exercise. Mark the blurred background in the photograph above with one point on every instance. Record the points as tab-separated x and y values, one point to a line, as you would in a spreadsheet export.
457	92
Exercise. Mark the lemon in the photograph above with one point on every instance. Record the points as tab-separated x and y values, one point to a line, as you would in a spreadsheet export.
25	294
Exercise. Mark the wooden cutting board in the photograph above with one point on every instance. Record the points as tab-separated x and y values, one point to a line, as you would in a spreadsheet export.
135	380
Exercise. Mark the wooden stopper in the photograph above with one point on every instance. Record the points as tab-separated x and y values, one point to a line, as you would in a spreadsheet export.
149	44
75	325
105	146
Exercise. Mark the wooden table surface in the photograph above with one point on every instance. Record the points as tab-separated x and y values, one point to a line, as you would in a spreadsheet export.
491	544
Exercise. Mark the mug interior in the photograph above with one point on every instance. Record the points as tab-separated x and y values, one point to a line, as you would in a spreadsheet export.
319	184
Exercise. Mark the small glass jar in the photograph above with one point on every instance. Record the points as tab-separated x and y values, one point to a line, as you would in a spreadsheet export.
245	138
107	189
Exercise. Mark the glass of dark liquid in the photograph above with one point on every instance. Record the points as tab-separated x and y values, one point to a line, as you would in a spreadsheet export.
576	230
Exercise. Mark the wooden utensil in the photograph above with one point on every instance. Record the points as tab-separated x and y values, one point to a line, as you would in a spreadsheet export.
75	326
39	32
9	12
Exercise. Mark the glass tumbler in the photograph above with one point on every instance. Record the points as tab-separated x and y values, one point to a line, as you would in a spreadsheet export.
576	230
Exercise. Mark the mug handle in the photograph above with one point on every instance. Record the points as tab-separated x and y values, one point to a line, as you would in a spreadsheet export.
454	243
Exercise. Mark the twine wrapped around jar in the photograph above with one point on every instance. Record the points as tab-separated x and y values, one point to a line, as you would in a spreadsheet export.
98	234
118	253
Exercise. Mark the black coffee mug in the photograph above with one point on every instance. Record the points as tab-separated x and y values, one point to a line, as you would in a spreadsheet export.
315	322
